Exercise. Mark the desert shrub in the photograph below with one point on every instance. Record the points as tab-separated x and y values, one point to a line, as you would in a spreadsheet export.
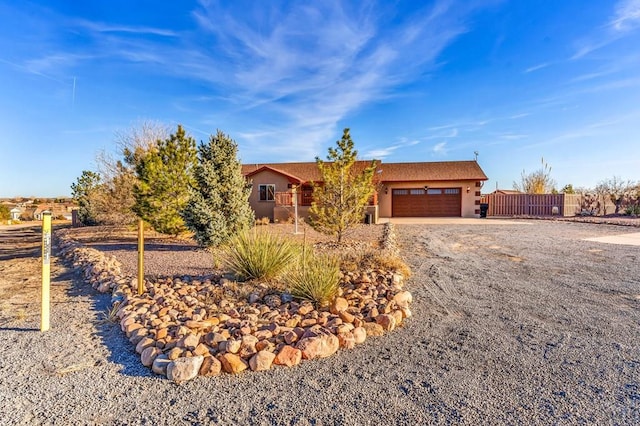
633	210
5	213
315	278
263	221
259	255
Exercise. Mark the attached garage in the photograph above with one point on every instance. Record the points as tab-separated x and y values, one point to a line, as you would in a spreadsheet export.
426	202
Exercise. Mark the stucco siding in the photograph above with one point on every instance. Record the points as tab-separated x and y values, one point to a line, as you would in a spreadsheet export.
266	177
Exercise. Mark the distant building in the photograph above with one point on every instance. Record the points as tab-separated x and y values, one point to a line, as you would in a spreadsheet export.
15	213
507	191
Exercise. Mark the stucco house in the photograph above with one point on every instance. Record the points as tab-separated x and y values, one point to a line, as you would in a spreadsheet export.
418	189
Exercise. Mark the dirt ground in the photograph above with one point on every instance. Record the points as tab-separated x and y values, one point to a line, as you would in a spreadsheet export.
21	273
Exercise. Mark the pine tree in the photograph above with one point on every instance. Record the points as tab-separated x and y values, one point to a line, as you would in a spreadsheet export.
119	175
164	178
85	192
218	206
339	202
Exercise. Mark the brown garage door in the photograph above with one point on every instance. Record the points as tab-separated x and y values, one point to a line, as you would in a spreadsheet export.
434	202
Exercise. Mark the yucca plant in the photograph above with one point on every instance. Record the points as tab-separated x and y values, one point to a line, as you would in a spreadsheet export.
110	315
315	278
260	255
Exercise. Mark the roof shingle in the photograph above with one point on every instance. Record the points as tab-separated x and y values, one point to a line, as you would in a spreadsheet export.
391	172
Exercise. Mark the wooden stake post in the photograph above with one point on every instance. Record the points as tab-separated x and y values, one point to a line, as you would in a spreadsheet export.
46	272
140	256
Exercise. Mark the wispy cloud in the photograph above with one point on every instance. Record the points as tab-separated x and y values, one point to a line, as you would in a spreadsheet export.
382	153
626	19
101	27
440	148
55	64
536	68
631	118
268	61
31	70
512	136
627	15
354	59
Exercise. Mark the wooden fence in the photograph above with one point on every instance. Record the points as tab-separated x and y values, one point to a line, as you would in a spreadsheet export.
532	204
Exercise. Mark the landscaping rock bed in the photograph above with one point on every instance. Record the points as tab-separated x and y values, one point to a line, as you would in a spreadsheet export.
183	327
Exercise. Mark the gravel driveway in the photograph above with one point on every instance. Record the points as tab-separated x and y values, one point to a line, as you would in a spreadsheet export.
513	324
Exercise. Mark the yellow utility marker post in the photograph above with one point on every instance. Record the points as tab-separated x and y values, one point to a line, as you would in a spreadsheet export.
46	271
140	256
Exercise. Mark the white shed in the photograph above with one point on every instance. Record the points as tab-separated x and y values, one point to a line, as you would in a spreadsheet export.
15	213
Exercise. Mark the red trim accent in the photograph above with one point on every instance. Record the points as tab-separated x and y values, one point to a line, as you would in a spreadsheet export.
292	179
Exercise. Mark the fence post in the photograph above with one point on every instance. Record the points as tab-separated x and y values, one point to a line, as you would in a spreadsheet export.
140	256
46	272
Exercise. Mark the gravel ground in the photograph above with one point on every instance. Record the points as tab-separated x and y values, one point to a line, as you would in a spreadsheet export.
512	324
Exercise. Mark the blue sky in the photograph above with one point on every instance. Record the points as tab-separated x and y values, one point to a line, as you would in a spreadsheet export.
415	81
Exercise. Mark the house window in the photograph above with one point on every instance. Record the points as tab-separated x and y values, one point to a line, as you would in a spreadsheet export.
452	191
267	192
432	191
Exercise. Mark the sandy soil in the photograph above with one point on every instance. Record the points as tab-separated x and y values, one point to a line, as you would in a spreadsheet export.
512	324
21	273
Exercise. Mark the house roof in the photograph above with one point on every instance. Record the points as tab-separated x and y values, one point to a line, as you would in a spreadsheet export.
292	178
296	172
431	171
302	172
391	172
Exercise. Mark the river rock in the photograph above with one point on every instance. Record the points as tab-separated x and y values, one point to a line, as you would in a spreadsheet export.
262	361
373	329
149	355
144	343
403	299
211	366
320	346
160	364
288	356
388	322
338	305
184	369
232	363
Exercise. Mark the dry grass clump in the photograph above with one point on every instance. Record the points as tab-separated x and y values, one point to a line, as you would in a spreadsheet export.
374	259
260	255
316	278
21	315
110	315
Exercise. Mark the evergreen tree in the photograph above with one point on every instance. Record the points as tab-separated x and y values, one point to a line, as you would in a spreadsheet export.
119	175
339	202
164	177
86	192
218	206
5	213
